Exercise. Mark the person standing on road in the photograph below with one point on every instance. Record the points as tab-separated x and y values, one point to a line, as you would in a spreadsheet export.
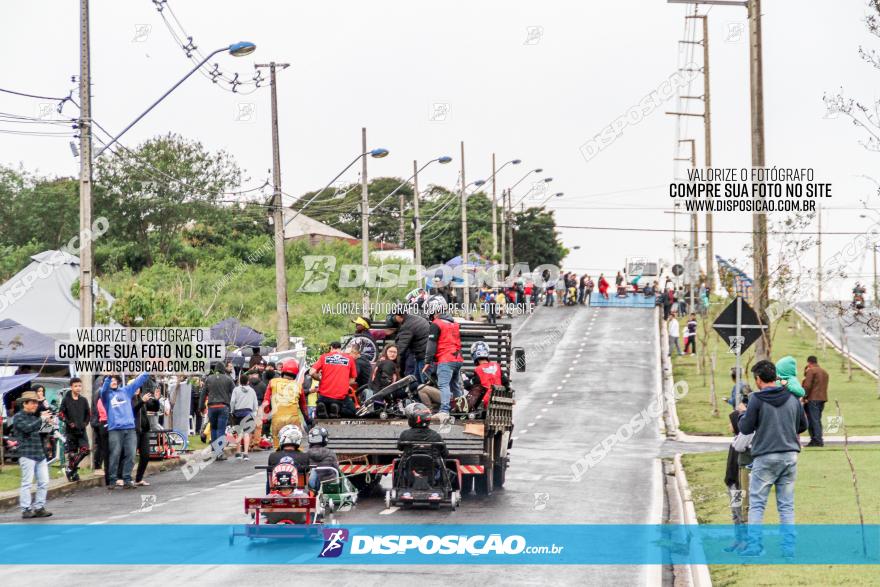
816	385
259	386
444	351
76	414
244	407
336	372
776	417
672	329
101	455
285	400
117	399
218	395
603	286
143	402
26	426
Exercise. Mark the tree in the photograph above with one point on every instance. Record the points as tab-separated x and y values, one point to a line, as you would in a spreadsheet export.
535	238
150	195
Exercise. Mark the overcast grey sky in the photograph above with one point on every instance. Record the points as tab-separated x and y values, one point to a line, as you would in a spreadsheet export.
523	79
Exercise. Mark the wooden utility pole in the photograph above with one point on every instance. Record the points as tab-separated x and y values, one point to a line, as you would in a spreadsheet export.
819	338
365	222
86	308
464	239
282	333
494	210
417	222
504	226
759	221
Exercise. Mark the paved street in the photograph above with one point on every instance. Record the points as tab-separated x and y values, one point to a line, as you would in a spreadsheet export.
589	372
861	339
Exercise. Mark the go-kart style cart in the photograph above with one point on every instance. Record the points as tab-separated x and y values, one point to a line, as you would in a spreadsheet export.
336	494
281	516
422	477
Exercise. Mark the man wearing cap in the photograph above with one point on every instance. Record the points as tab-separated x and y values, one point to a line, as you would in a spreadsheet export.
26	426
362	327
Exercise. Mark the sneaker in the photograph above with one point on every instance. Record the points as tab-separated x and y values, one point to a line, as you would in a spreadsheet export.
42	513
111	487
245	457
128	485
27	514
238	456
753	550
75	476
69	474
120	483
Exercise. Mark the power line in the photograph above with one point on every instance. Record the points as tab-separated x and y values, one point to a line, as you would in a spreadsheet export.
645	229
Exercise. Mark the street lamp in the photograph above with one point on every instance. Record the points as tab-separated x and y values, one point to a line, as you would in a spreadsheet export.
506	229
495	200
239	49
550	197
375	154
545	180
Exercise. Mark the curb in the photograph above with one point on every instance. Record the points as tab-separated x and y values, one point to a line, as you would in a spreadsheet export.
667	392
685	437
9	499
700	576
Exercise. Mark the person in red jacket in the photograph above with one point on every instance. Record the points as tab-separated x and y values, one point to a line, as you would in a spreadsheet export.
603	286
486	372
336	372
444	351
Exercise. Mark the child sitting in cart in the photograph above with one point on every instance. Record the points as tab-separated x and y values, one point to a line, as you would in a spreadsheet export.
486	374
321	457
289	439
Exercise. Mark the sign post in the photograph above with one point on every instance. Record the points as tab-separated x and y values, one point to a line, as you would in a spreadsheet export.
740	326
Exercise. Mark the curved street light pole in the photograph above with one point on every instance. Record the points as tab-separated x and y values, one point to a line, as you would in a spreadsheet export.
236	49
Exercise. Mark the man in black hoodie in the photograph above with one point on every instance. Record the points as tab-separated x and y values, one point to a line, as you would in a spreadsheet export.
76	414
777	418
412	339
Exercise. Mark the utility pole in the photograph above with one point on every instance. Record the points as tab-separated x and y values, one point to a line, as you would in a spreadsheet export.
510	227
86	317
282	333
707	127
874	252
759	221
494	210
365	222
464	239
503	226
694	263
417	222
819	339
401	238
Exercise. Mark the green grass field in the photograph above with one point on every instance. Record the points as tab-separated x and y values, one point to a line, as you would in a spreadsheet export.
858	398
824	495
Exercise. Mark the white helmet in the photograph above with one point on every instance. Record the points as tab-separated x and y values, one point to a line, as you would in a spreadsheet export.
479	350
290	434
436	304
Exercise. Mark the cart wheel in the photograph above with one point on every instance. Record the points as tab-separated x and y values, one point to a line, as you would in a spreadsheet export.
387	500
454	500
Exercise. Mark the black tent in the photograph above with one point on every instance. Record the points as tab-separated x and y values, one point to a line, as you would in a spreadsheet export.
236	334
19	345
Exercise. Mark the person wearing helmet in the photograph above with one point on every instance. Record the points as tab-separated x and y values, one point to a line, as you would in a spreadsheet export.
443	351
412	340
289	441
320	456
486	374
285	400
336	372
419	418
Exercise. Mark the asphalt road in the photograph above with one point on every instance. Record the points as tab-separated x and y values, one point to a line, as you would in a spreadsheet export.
860	335
590	372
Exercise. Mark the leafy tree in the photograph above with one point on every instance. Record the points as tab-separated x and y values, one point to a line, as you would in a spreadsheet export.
151	195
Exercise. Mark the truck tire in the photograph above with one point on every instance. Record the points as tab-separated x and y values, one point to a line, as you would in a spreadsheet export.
499	472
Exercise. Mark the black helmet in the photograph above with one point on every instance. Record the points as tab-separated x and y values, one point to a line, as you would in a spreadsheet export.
418	415
318	436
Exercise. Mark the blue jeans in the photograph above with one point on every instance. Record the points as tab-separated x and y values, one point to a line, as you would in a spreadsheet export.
218	418
123	443
29	468
449	382
777	469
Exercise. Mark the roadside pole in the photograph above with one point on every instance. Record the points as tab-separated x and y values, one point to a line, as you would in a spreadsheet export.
86	317
495	214
282	333
738	390
417	222
464	239
365	223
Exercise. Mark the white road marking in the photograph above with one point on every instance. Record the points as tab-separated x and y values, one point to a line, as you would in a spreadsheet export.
543	410
531	424
390	510
550	402
538	417
555	394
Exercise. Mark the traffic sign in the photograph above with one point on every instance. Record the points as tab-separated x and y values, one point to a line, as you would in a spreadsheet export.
677	269
739	327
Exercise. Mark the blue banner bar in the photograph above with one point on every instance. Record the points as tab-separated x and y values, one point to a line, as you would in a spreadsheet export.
437	544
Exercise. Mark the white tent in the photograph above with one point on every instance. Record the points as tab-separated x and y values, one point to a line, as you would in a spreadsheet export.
39	296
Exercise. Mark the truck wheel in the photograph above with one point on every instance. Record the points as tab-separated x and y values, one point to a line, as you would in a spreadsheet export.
485	483
467	484
499	472
388	500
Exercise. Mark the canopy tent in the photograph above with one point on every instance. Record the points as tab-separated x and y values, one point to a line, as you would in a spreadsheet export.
11	382
236	334
39	296
19	345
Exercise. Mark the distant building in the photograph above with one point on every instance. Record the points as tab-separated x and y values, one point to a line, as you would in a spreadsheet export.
301	227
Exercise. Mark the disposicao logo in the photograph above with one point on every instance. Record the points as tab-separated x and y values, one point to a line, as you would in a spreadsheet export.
334	540
471	545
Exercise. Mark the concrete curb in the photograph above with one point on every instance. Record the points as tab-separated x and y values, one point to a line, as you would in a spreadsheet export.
700	576
9	499
667	393
685	437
